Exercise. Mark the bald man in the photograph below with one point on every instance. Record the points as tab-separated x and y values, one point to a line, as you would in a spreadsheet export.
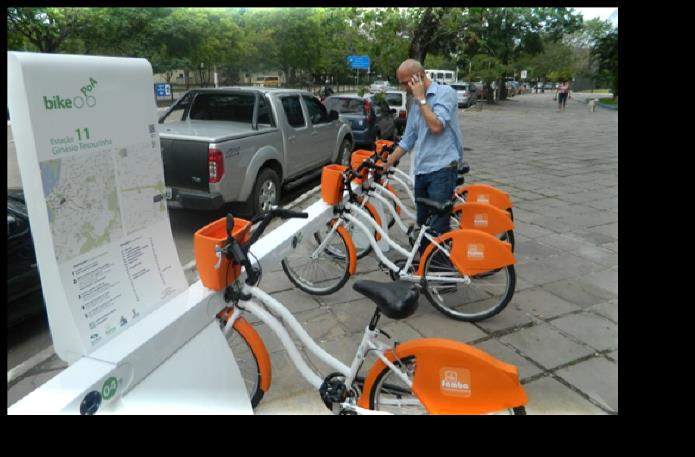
433	124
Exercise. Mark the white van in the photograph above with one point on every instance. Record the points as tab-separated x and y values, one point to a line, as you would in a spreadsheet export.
442	76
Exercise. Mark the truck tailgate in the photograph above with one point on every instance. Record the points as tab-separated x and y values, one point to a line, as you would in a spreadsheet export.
185	164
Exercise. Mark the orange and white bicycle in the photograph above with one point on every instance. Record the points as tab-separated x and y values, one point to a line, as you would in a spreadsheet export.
466	274
426	375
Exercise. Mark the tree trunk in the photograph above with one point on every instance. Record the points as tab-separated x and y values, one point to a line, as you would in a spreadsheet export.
424	33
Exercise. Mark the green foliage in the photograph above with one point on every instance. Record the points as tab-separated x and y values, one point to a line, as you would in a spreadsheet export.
606	53
312	44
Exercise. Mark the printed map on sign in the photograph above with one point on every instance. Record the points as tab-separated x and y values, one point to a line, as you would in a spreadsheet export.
82	203
141	183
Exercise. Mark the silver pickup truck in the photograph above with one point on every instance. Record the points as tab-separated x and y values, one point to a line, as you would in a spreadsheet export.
243	144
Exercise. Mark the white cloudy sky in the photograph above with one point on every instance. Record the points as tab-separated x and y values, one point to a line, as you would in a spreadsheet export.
591	13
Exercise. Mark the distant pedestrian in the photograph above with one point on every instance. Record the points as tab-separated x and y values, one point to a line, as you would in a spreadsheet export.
563	93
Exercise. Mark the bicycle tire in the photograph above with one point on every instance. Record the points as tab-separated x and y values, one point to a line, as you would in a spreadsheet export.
384	386
486	295
248	362
325	274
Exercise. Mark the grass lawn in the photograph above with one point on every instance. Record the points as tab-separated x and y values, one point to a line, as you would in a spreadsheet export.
596	91
608	101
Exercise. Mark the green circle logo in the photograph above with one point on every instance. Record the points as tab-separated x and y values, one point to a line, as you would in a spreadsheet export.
109	388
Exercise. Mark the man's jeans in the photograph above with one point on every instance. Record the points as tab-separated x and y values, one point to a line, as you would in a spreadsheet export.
438	186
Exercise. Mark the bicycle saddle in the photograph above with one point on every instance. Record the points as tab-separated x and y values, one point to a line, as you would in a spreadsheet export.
465	168
442	208
396	300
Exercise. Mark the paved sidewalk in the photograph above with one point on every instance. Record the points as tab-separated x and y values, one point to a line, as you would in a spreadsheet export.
561	327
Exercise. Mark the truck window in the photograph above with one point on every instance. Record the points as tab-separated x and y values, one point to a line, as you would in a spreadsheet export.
317	112
264	114
293	111
223	107
180	108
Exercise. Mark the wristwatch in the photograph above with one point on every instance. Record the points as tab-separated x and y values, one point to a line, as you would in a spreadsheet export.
422	102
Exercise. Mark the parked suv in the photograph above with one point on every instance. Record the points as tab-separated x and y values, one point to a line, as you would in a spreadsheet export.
466	93
370	117
398	100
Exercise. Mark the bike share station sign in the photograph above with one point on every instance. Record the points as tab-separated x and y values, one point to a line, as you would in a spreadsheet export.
120	310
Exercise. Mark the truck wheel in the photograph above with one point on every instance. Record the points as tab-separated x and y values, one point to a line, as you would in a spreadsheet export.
345	152
266	191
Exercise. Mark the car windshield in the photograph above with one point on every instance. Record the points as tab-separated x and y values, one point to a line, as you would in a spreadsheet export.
381	83
394	99
345	105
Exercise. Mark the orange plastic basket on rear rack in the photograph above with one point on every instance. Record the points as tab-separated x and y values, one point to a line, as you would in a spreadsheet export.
332	183
357	158
204	242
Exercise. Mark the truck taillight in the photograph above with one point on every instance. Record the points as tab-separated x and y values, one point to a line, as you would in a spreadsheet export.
402	114
215	165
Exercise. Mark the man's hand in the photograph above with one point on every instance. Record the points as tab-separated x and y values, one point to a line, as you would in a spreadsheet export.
417	87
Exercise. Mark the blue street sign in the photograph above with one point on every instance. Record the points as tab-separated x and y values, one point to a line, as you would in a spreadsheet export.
358	62
162	90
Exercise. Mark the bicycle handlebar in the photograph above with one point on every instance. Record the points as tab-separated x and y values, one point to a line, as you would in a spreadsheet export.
234	250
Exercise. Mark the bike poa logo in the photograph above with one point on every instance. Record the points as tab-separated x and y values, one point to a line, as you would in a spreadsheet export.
455	381
58	102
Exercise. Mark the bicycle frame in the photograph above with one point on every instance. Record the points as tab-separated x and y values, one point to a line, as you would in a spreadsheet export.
369	342
410	255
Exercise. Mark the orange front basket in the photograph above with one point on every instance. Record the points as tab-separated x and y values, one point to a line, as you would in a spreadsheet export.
204	242
332	182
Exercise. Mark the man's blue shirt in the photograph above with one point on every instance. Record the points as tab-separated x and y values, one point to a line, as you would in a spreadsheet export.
435	151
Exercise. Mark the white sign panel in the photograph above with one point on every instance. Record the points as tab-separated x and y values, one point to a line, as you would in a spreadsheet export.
523	74
88	150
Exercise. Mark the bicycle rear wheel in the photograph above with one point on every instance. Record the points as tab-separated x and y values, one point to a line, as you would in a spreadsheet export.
391	394
486	295
323	272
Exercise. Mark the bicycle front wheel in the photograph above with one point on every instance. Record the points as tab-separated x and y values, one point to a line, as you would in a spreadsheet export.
486	295
247	360
319	272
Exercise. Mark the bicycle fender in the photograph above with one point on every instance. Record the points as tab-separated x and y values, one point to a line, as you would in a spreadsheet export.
352	252
472	252
484	193
484	217
452	377
253	338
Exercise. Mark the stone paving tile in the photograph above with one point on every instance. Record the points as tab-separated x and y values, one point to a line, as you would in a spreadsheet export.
579	291
546	346
571	265
608	309
595	331
598	255
510	317
542	304
550	396
538	272
506	354
440	326
296	301
533	250
596	377
606	279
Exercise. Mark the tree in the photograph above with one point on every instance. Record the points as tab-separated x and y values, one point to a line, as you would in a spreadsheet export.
43	29
606	53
